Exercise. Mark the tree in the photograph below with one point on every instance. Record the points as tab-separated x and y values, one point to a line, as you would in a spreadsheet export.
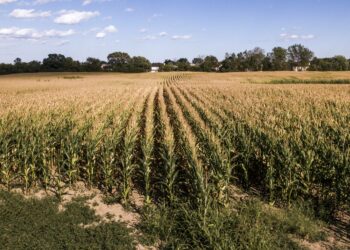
18	65
139	64
267	64
33	67
6	68
119	61
340	63
92	65
254	59
299	56
169	61
71	66
169	65
54	62
278	58
336	63
157	64
198	61
210	64
230	63
17	61
183	64
242	64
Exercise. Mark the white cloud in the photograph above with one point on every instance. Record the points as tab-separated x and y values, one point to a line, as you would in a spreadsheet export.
143	30
106	30
29	33
149	37
308	37
162	34
287	36
58	33
183	37
111	29
39	2
75	17
154	16
7	1
157	15
101	34
29	13
63	42
87	2
129	10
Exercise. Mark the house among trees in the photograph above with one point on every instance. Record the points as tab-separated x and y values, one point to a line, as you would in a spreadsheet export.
300	68
105	66
155	69
296	58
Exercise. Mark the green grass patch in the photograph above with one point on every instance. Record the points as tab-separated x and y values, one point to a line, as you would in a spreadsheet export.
38	224
309	81
251	225
72	77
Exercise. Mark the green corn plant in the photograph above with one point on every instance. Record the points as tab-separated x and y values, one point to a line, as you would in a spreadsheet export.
147	149
101	158
209	151
6	175
306	173
128	165
108	160
107	170
71	170
26	177
46	174
222	150
111	150
58	186
270	177
203	192
227	166
169	158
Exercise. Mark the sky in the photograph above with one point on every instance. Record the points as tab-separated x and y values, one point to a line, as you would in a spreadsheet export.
164	29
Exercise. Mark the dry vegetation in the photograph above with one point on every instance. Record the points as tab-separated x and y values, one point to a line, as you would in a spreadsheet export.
181	139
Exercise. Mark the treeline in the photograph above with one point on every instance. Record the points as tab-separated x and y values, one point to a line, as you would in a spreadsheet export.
296	57
117	62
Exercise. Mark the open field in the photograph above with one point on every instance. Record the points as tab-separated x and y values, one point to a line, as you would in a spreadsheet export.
199	148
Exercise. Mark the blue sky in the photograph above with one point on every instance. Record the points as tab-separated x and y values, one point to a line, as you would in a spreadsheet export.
161	29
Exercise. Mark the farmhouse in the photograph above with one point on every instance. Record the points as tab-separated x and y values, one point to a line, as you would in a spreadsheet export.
105	66
155	69
300	68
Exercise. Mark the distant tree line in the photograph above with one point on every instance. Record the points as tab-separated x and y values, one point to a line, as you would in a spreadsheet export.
279	59
117	62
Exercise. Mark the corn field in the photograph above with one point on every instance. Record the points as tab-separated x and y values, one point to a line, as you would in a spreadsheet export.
178	137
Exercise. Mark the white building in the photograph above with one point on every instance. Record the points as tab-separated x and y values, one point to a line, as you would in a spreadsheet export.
104	66
300	68
154	69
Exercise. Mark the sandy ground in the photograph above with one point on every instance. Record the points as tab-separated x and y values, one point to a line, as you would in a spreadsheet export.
95	200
